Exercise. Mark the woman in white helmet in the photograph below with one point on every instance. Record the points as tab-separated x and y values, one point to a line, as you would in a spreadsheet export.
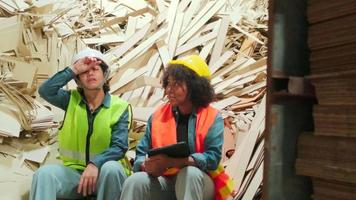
93	138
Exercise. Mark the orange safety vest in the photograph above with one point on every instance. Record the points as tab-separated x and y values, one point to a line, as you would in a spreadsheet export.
163	133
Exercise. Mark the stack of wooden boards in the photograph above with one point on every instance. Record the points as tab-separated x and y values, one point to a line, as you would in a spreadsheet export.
246	164
139	38
327	155
21	112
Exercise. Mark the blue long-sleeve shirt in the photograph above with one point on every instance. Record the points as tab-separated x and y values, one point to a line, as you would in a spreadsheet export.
208	160
52	91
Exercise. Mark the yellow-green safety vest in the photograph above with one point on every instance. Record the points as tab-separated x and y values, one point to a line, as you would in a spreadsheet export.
73	134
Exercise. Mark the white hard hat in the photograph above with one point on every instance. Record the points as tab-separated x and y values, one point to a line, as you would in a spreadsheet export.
88	52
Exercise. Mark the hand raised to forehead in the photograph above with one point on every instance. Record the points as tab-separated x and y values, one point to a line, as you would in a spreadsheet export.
84	64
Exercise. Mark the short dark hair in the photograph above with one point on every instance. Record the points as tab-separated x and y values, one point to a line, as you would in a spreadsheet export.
106	87
200	91
105	69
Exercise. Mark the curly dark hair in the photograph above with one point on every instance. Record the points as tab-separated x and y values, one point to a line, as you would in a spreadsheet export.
200	91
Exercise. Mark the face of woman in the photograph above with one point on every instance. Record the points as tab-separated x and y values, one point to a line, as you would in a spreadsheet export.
177	92
92	79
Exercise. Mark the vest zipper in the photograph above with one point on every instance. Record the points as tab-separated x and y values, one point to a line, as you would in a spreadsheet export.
91	118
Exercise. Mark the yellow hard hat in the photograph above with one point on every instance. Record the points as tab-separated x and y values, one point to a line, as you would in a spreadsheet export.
195	63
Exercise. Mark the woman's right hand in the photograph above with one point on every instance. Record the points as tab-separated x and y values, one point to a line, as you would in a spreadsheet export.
84	64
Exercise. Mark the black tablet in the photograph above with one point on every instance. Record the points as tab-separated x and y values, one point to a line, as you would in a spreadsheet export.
179	150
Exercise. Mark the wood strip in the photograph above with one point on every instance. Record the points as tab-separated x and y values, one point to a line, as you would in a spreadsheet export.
207	48
163	52
173	39
201	22
255	183
220	61
242	154
225	102
131	26
171	17
206	8
194	6
120	83
219	45
195	43
118	52
250	88
144	45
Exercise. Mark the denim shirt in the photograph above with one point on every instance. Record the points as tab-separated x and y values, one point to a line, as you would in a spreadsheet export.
51	90
208	160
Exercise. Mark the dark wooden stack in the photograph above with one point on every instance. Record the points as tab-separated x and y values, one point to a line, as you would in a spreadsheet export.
335	120
329	154
327	189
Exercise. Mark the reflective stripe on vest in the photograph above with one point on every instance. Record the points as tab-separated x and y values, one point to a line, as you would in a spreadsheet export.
163	133
72	136
74	154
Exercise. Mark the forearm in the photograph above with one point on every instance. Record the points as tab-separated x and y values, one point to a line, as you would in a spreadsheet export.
142	148
51	90
112	153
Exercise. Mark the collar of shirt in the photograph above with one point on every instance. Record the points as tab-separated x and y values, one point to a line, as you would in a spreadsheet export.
105	103
176	112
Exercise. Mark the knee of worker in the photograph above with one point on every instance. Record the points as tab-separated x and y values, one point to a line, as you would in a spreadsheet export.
137	180
112	168
45	172
190	173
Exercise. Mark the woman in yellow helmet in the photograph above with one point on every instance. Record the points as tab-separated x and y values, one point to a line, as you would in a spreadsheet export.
187	117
